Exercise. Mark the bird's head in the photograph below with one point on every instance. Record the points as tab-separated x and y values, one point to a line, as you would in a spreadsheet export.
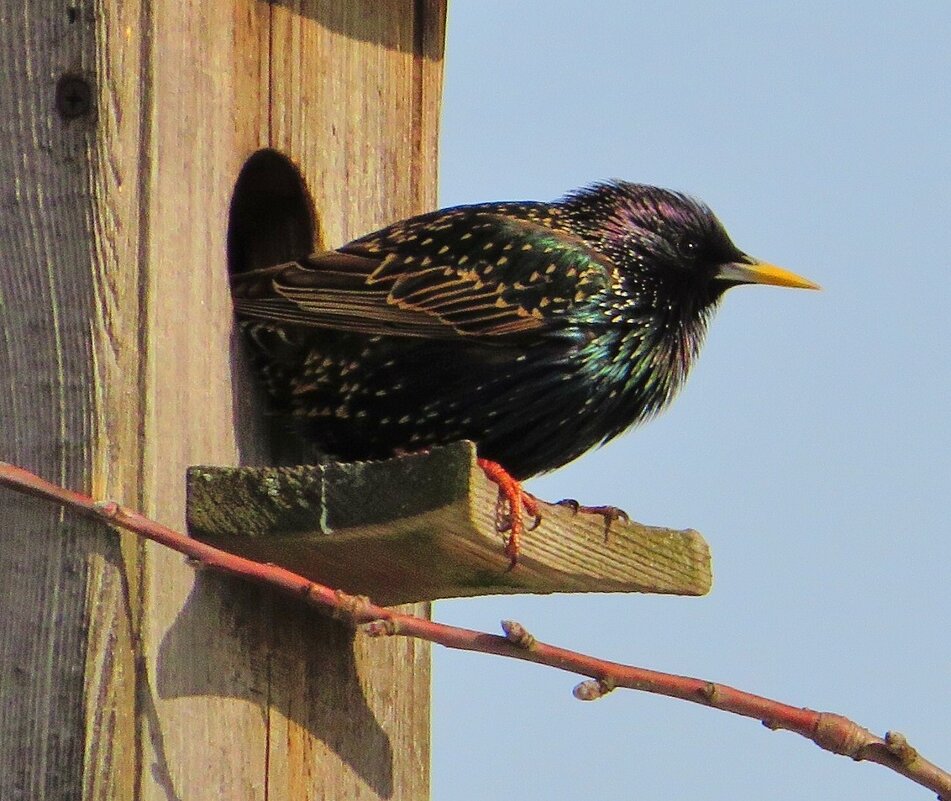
670	248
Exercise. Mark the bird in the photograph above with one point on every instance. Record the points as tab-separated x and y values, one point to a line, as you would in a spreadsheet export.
537	330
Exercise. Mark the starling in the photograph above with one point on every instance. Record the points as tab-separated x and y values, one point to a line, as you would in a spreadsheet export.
536	330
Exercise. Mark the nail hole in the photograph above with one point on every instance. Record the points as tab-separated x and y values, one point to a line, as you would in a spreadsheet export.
73	96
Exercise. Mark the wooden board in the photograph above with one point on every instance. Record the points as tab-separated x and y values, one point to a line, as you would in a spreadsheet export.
70	407
424	526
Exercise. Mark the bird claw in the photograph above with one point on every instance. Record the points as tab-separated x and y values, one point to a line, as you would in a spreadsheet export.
571	503
536	515
516	499
609	513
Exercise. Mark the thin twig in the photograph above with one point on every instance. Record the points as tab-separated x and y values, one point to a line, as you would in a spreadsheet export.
830	731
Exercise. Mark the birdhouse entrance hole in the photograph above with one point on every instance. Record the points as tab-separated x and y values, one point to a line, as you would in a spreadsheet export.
272	215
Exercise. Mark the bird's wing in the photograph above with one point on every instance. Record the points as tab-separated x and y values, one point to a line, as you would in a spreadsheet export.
441	275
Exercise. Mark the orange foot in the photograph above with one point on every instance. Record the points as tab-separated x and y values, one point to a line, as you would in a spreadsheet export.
511	494
609	513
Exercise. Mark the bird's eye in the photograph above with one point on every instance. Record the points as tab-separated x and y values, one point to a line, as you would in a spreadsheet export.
688	247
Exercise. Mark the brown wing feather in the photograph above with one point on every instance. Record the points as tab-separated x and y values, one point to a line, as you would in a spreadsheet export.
443	275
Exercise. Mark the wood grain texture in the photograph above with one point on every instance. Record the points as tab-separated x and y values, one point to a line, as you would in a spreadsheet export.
355	90
423	527
69	313
203	695
122	673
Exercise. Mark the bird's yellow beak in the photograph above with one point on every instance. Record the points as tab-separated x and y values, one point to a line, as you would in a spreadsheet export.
758	272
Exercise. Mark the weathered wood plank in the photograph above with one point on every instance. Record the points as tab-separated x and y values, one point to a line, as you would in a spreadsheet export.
423	527
356	90
204	687
69	405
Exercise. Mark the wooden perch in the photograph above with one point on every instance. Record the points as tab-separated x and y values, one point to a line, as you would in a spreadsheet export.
423	526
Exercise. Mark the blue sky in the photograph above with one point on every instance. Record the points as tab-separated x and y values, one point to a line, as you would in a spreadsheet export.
811	444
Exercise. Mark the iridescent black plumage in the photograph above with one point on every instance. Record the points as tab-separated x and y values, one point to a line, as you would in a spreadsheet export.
538	330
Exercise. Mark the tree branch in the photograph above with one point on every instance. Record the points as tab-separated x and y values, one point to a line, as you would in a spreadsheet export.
829	731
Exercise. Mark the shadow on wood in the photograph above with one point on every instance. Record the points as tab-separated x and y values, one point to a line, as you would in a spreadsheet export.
355	20
327	676
423	526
